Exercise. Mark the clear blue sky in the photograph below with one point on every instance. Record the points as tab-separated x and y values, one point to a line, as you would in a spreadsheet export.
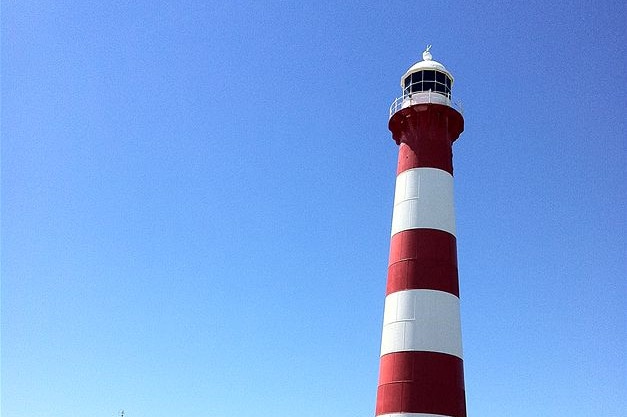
197	200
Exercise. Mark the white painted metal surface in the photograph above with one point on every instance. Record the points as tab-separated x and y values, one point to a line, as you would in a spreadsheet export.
426	97
421	320
426	65
424	199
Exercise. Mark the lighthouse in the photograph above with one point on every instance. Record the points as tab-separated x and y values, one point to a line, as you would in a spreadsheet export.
421	363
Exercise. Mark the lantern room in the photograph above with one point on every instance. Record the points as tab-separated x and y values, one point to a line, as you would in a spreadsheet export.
426	82
427	75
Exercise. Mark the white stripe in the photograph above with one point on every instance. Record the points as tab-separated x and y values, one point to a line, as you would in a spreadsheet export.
424	199
411	415
421	320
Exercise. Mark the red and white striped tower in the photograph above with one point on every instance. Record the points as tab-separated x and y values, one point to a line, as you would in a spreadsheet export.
421	369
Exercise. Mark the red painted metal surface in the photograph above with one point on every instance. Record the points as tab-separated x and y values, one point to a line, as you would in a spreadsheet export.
423	259
421	382
428	132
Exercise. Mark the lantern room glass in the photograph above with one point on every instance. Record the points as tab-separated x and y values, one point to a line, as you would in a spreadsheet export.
427	80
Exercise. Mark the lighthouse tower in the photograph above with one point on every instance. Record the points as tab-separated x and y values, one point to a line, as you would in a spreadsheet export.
421	369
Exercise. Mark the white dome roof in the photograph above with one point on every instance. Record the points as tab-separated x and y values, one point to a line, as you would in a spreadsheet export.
427	63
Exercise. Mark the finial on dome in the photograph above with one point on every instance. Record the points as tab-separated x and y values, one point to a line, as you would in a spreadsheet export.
426	55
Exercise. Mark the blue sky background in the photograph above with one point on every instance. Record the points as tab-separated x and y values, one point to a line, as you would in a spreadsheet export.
197	199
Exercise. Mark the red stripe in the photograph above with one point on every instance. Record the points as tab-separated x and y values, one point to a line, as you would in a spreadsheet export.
430	155
423	259
428	132
421	382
